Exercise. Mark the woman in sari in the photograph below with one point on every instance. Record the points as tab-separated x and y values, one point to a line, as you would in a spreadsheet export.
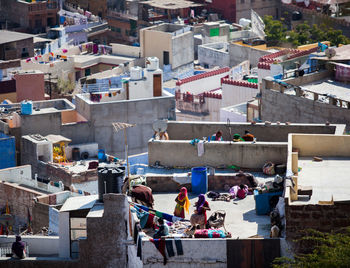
182	203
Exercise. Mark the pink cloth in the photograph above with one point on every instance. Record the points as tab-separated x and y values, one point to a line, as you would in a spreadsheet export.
236	191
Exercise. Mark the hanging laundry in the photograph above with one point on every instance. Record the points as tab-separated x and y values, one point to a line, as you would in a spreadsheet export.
160	245
200	148
178	244
169	247
95	48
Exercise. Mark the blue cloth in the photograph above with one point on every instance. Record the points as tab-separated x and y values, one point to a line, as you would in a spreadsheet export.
169	247
178	245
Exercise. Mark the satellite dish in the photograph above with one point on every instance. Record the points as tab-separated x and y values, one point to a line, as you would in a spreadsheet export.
160	125
330	52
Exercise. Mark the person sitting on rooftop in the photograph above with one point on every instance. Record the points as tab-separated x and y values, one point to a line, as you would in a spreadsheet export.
163	136
237	137
217	136
247	136
18	248
163	229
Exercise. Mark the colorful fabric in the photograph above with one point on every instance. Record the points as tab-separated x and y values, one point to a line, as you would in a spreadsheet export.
237	137
200	203
169	248
209	233
182	203
178	245
143	220
160	245
242	192
149	222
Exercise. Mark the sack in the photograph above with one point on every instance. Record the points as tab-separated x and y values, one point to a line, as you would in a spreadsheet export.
269	168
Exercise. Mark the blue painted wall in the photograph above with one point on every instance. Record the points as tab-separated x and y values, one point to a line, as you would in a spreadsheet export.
7	151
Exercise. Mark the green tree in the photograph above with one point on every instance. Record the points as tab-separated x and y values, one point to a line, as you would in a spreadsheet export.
275	31
319	249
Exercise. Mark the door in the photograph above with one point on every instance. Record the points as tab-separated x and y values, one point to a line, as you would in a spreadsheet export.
165	57
157	85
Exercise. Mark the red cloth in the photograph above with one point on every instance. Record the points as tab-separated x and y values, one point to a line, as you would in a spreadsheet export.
149	222
143	193
160	245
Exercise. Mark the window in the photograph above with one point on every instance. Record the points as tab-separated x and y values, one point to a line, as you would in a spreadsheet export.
242	1
126	32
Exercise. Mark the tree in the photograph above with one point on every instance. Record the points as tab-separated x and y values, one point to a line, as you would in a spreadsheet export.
319	249
275	31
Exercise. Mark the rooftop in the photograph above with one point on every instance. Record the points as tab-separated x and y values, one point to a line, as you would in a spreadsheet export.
327	86
170	4
9	36
241	219
318	174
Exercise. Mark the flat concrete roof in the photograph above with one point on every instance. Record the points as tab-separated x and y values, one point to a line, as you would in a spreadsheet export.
9	36
328	178
327	86
79	202
171	4
241	219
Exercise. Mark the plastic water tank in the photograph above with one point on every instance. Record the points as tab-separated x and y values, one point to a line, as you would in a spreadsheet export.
153	63
199	180
136	73
26	107
244	22
110	180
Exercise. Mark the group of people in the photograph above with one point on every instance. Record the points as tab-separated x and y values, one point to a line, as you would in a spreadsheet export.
199	216
236	137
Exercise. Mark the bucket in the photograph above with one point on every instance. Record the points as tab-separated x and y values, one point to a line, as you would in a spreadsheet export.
199	180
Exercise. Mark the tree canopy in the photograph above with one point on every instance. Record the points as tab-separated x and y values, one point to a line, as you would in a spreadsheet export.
277	33
319	249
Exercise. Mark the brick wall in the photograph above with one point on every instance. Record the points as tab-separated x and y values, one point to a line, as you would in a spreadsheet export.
40	216
166	183
320	217
19	199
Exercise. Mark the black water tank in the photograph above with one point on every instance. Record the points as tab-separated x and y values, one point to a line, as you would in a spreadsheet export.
296	15
110	180
76	154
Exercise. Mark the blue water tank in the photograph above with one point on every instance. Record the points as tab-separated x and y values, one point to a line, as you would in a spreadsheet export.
26	107
199	180
262	202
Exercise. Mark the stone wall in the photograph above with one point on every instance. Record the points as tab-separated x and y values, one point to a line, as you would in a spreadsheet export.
320	217
19	199
217	182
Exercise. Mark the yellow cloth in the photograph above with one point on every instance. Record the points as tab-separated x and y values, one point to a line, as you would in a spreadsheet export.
187	204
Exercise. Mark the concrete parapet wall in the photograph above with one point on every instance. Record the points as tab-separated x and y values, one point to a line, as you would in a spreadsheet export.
274	133
212	254
328	145
241	154
277	106
38	245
